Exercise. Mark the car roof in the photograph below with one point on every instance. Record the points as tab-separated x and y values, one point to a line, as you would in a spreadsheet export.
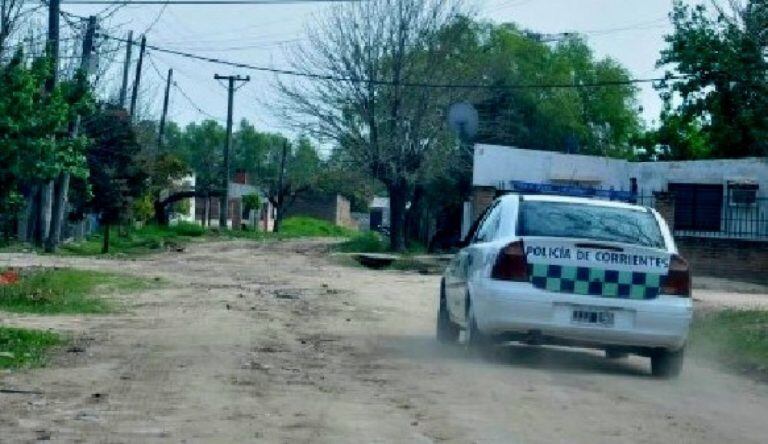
577	200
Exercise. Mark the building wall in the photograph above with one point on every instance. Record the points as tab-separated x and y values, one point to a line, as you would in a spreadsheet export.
362	221
382	204
344	213
496	165
333	208
726	258
654	176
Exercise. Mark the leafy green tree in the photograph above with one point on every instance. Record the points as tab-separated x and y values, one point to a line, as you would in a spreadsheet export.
201	147
117	177
35	145
716	92
588	119
301	167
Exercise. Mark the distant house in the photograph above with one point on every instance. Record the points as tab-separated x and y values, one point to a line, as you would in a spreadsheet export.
263	218
184	210
379	210
718	209
726	198
333	208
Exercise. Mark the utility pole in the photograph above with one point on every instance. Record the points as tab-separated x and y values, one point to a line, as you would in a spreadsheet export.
44	189
161	130
137	80
52	45
61	189
224	200
280	184
126	70
2	26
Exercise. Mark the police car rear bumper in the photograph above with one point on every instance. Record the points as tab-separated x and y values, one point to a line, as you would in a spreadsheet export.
510	307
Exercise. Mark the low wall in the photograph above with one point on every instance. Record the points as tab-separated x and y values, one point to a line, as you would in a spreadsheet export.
726	258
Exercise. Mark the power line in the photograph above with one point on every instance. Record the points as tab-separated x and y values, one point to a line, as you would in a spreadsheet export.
204	2
181	91
329	77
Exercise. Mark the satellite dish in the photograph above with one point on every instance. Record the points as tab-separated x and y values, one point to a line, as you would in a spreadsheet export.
464	120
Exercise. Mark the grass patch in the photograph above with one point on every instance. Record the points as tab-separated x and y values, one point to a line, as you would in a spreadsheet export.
373	242
153	238
20	348
367	242
145	240
65	291
310	227
737	338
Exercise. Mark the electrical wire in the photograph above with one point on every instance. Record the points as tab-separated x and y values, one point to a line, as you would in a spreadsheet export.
181	91
204	2
330	77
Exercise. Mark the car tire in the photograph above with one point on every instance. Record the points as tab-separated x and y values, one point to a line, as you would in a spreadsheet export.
475	339
447	331
667	364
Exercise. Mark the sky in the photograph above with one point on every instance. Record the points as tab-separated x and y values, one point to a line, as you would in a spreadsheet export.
630	31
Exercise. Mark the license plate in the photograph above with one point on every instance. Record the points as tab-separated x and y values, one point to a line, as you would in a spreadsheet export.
603	318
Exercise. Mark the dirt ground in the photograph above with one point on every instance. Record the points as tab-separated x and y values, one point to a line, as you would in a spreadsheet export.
272	342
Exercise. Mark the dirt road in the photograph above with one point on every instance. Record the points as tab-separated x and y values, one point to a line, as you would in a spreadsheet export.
271	342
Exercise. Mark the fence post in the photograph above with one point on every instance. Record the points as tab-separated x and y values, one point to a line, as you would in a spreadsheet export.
665	205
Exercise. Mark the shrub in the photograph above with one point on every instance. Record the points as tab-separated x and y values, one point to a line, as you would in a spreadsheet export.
367	242
311	227
188	229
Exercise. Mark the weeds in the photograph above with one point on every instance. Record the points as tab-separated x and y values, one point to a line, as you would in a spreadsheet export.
737	338
20	348
64	291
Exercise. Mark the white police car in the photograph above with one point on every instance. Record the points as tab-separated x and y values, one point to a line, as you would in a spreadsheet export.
570	271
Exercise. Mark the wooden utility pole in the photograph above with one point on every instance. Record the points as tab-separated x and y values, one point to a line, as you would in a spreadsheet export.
224	200
2	26
43	191
137	79
52	45
161	130
126	70
280	185
61	189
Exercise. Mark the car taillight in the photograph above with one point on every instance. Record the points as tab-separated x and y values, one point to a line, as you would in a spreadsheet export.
678	280
511	264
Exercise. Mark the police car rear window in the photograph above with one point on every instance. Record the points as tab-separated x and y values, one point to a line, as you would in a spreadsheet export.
574	220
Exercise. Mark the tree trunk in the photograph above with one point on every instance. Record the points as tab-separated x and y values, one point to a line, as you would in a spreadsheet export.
58	210
44	213
278	218
208	215
412	216
206	210
26	227
397	202
161	216
105	245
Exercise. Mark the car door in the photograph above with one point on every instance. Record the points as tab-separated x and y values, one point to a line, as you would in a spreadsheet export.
467	261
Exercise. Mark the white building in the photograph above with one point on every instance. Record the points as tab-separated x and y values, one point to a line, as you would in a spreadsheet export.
724	198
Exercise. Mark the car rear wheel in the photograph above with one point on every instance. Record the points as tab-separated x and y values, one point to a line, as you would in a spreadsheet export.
447	331
475	339
666	363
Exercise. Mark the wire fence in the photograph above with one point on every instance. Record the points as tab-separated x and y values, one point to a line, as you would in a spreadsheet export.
721	217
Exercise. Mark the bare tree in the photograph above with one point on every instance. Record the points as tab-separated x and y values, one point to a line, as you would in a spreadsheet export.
11	14
376	98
